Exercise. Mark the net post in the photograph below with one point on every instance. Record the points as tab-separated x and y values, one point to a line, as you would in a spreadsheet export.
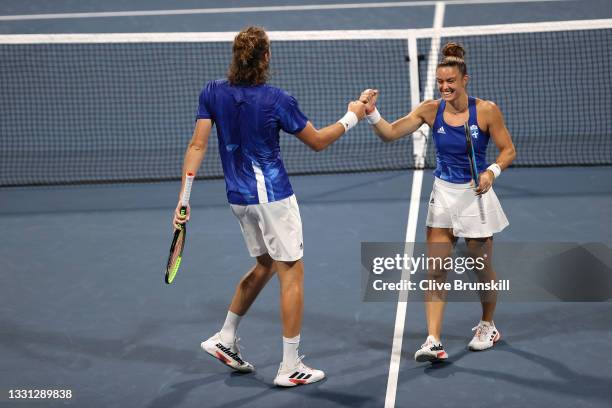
419	138
414	70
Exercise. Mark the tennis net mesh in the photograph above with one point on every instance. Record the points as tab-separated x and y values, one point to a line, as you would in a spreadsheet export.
121	107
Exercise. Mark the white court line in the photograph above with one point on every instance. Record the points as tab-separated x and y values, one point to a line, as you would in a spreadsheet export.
229	10
413	215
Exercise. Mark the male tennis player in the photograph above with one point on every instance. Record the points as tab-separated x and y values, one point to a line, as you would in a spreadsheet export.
453	206
249	115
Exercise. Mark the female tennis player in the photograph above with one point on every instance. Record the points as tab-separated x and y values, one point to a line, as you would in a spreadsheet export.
249	115
453	205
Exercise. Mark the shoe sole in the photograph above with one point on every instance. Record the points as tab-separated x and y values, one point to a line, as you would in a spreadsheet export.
295	383
424	358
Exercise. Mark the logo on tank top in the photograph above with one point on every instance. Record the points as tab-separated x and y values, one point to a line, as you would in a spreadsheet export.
441	130
474	131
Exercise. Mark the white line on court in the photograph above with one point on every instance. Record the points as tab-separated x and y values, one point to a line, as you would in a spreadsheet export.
229	10
413	215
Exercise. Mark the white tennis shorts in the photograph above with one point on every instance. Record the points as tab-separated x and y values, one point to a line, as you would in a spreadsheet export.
274	228
456	206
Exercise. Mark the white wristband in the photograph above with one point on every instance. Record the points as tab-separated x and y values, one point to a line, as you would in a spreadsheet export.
495	169
374	117
349	120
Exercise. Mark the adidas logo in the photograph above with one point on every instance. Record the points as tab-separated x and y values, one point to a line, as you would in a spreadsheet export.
441	130
299	378
228	352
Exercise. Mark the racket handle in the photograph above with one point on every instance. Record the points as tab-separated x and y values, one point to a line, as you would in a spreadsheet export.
187	190
483	220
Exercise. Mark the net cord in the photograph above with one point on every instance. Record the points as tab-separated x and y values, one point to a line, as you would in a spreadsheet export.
320	35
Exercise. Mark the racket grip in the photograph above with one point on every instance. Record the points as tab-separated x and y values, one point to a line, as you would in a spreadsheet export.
483	219
187	190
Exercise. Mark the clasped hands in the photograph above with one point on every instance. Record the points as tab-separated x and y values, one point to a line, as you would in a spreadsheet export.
365	104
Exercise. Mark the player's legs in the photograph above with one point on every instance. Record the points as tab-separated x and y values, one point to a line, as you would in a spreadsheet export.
291	278
273	234
483	248
257	277
440	243
486	334
251	284
292	371
224	345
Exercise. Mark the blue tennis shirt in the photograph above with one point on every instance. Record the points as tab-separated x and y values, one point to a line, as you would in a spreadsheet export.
452	163
248	121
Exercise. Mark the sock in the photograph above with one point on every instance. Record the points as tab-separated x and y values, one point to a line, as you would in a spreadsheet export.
433	339
290	350
228	331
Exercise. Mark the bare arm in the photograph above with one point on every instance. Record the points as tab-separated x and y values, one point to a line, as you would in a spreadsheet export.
196	150
501	137
319	139
389	132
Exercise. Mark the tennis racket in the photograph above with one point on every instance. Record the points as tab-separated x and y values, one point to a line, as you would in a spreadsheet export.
178	240
473	169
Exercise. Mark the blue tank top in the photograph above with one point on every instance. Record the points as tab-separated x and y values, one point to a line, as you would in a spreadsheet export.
452	163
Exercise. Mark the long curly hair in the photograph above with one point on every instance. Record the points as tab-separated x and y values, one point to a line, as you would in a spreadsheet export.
250	57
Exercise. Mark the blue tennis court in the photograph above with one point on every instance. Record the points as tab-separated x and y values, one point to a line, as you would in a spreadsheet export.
82	252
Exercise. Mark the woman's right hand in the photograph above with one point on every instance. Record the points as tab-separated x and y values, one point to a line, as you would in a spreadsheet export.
369	97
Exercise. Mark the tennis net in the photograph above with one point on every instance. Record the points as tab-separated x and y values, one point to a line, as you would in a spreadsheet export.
120	107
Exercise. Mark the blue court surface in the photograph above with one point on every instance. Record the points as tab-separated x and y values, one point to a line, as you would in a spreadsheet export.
84	306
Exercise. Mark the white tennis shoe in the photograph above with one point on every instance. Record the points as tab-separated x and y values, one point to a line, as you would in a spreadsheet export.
227	353
485	337
432	350
299	374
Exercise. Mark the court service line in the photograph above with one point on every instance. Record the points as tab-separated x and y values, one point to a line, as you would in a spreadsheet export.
228	10
413	215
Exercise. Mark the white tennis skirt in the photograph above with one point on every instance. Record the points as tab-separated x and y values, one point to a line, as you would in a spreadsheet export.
456	206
